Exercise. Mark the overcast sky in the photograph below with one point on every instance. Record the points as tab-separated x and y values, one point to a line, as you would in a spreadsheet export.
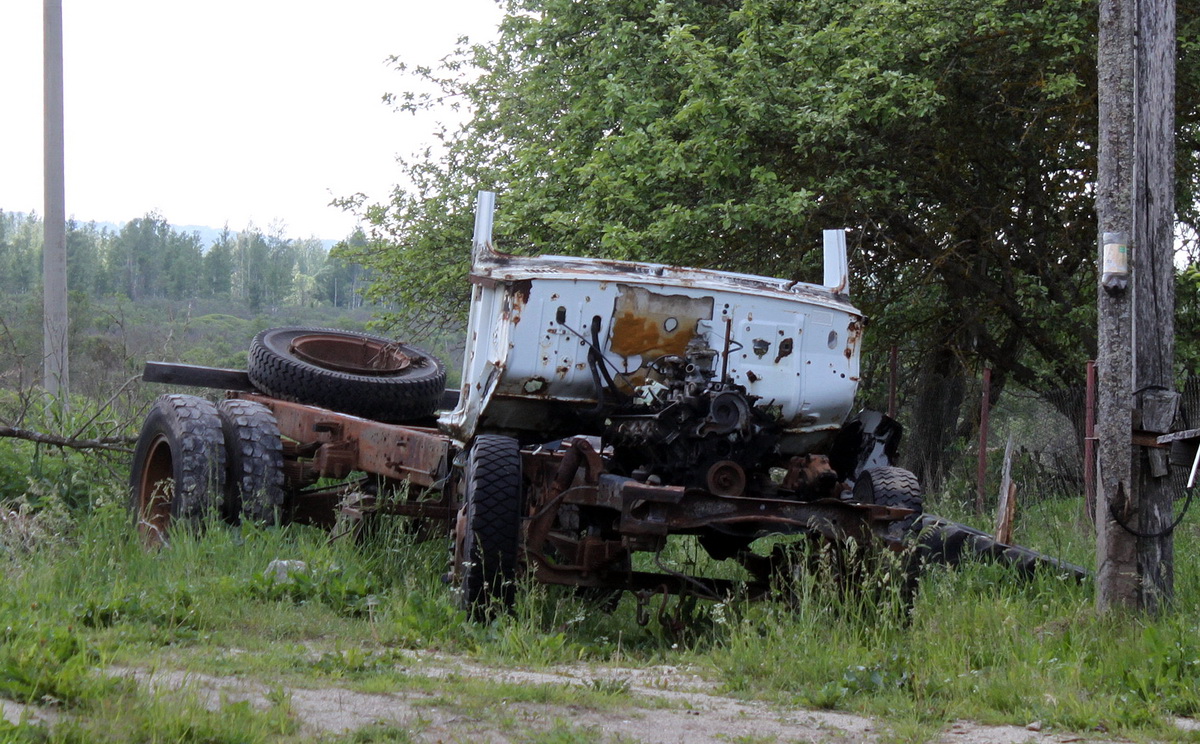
231	111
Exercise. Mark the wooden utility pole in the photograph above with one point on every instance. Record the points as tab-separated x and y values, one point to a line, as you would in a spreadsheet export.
55	371
1134	205
1156	403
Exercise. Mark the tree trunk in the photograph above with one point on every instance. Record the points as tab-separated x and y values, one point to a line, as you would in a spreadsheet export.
940	391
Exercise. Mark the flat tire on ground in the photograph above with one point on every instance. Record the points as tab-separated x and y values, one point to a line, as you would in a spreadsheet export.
178	471
254	482
488	533
355	373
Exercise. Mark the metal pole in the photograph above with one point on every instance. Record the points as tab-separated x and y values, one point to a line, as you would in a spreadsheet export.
55	375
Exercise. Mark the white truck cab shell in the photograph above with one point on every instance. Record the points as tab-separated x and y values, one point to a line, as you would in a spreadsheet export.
793	345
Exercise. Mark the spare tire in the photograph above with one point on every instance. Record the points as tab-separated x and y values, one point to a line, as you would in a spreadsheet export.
355	373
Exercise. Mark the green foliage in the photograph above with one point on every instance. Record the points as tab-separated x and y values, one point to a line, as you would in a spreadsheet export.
352	595
42	477
148	259
956	141
1187	321
49	662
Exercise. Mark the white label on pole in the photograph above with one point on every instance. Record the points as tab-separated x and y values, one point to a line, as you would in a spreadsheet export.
1116	258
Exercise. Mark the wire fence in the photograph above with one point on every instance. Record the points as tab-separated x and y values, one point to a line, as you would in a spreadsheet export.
1047	430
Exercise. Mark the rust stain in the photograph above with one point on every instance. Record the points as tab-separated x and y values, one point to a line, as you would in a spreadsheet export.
633	334
786	346
520	291
650	324
853	337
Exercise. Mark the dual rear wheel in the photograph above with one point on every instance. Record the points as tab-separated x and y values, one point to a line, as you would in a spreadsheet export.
195	458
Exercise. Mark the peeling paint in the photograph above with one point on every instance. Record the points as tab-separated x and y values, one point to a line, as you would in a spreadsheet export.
534	385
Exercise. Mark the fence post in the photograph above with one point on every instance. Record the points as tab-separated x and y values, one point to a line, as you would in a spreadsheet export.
984	410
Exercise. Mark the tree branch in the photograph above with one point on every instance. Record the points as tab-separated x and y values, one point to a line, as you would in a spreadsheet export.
111	444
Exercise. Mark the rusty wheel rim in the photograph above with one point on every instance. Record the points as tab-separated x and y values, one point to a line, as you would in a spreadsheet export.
359	356
155	491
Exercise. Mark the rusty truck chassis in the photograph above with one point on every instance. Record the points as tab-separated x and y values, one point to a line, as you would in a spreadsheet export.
414	472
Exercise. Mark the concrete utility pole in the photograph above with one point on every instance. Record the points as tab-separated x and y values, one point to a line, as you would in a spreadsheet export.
1134	199
55	375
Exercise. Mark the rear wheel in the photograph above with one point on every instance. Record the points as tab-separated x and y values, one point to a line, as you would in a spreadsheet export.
355	373
488	532
897	487
178	472
254	451
891	486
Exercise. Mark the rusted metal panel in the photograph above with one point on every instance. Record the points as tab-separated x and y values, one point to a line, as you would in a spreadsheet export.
343	443
652	325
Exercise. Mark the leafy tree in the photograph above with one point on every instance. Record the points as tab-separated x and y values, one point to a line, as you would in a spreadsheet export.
956	140
310	257
85	257
342	281
280	266
139	256
253	254
219	265
20	252
183	264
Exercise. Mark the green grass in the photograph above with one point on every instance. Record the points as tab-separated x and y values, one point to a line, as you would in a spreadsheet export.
975	643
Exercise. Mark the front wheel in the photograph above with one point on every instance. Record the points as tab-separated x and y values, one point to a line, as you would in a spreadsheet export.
178	472
488	532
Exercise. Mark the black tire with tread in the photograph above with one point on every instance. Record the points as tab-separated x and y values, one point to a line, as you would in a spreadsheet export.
254	453
411	394
488	562
178	470
892	486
